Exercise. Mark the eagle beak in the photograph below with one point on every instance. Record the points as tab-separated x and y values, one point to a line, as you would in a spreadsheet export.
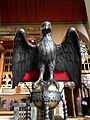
46	25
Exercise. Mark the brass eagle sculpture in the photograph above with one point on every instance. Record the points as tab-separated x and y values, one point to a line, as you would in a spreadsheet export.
46	56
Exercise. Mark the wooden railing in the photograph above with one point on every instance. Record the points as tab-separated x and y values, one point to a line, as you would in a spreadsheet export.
85	99
86	64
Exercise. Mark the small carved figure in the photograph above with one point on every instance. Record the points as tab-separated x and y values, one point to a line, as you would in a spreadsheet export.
4	105
46	56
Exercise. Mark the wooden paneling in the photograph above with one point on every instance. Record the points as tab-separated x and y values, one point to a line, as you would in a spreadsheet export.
1	67
26	11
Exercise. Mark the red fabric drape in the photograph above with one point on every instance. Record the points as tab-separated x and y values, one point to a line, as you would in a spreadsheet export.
58	75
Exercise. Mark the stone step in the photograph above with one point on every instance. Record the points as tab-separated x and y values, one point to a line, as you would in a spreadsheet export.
78	118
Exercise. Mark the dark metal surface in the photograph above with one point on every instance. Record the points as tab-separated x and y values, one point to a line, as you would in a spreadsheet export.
52	96
46	55
47	51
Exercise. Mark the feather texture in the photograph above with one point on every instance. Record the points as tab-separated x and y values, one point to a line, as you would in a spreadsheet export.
69	57
24	57
27	57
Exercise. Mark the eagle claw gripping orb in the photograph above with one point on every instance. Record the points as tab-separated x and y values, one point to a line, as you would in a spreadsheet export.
46	57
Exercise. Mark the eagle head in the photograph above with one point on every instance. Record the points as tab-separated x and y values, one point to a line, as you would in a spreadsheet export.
46	27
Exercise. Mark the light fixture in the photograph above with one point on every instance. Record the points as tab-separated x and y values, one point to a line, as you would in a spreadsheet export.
1	42
32	40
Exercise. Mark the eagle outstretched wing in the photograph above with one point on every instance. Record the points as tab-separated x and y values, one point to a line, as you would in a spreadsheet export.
25	57
69	57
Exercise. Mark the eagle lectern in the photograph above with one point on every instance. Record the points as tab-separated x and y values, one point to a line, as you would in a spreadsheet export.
46	57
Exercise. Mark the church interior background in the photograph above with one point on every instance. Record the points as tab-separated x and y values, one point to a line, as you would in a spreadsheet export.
28	14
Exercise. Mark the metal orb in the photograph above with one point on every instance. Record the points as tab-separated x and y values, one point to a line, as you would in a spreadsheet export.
46	91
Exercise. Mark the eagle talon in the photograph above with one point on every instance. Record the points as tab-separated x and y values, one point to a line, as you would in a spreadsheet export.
50	81
37	83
